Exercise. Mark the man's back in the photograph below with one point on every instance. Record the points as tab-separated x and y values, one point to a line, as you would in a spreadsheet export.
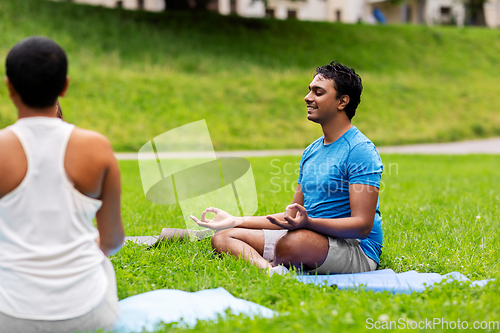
54	179
48	240
90	165
88	158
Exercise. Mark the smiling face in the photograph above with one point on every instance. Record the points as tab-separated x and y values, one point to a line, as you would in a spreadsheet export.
322	102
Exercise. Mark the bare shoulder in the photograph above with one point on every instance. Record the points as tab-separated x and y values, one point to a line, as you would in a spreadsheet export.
9	143
81	135
88	159
6	135
13	163
88	143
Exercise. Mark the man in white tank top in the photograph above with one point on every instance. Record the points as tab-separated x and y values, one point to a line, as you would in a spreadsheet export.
54	179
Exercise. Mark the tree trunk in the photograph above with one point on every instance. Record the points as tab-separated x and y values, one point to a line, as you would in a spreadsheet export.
421	11
479	18
475	9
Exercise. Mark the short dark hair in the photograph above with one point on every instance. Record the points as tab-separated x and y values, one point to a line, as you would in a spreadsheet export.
346	81
37	68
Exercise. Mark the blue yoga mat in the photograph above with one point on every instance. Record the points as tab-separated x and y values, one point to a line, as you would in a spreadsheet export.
145	311
387	280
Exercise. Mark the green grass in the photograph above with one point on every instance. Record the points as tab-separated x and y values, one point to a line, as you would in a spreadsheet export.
440	214
137	75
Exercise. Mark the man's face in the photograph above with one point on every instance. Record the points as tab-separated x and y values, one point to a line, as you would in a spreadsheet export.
322	102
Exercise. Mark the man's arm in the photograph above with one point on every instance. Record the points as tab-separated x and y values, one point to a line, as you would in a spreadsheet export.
108	217
363	204
92	166
13	162
223	220
262	222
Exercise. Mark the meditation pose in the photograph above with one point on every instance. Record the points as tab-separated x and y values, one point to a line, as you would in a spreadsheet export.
54	179
334	222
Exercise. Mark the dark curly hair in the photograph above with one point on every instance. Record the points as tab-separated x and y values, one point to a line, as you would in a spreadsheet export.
347	82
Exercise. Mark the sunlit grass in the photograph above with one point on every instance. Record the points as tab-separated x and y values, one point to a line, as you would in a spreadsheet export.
137	75
440	214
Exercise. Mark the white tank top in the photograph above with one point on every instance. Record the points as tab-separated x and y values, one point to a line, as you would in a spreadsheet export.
50	264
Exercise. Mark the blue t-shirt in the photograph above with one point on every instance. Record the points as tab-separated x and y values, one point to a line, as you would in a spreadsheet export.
326	171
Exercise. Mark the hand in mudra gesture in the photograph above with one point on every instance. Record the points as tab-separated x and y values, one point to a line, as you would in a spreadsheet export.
221	221
295	218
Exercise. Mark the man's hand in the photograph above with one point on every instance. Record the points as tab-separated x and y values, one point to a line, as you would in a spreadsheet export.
221	221
300	221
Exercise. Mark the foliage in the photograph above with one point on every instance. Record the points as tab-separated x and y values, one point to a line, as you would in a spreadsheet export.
475	11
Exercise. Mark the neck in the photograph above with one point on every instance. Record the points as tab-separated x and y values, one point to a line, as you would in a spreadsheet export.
335	129
25	111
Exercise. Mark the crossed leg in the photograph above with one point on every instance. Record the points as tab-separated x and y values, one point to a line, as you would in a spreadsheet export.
247	243
303	249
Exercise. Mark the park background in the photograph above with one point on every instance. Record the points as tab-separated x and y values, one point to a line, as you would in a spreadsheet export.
135	75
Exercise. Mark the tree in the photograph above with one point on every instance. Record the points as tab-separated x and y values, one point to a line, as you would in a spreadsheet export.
474	10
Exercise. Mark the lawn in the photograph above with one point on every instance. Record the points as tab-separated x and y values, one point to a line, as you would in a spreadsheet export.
440	214
135	75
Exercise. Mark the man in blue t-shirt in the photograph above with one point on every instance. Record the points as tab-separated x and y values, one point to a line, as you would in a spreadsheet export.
334	223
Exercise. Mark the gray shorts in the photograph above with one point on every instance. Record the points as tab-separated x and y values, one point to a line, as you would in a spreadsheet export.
344	255
103	316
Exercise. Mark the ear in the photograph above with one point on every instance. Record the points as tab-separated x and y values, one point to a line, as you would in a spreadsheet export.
343	101
10	87
65	89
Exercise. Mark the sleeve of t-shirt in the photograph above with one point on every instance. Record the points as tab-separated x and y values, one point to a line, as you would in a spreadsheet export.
301	167
302	159
364	165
